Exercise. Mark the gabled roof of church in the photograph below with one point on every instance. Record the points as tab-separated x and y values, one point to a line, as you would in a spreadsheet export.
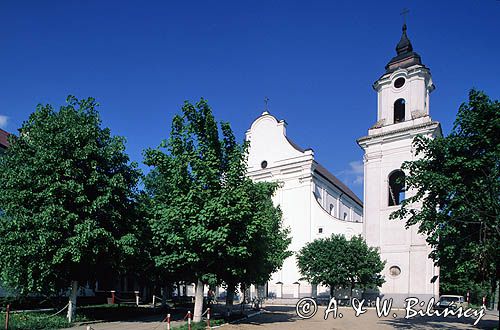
405	55
322	171
316	167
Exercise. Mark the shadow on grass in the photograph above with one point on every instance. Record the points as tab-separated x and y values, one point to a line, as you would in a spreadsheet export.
111	313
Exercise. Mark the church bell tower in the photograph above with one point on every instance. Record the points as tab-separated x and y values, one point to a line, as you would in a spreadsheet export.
402	113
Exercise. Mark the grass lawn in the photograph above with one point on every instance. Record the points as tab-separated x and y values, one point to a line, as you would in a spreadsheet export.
36	321
44	320
199	325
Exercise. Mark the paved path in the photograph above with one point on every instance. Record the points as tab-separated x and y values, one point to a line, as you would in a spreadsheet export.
285	318
143	323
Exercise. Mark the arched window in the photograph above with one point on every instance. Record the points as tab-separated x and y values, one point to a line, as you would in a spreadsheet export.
396	187
332	209
399	111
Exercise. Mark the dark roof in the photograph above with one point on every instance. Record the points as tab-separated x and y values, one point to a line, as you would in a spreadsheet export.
295	145
323	172
3	139
405	55
404	44
337	183
320	170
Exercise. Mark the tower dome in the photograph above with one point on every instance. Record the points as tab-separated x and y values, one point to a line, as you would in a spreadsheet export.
405	56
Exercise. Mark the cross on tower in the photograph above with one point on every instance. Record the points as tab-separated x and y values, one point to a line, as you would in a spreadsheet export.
403	13
266	101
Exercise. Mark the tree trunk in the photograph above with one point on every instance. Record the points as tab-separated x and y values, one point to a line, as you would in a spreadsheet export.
243	289
144	293
258	291
314	291
230	295
229	298
72	301
198	302
164	296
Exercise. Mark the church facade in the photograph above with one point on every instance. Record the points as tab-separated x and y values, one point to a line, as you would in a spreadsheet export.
316	204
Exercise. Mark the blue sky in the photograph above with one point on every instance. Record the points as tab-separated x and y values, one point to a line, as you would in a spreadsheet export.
315	60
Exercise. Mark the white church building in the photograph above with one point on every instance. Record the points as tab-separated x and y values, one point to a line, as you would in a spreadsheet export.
316	204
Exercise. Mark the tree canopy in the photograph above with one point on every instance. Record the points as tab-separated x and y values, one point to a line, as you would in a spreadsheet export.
457	185
264	242
67	201
341	263
204	209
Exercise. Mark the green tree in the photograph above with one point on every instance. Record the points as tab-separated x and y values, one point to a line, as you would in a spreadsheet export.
185	185
456	182
338	262
260	249
136	249
257	244
67	201
203	207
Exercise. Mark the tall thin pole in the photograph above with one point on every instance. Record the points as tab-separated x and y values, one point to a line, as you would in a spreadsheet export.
7	318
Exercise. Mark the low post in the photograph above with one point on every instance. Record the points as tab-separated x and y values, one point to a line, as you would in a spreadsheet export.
168	321
7	312
154	301
113	297
484	302
208	317
189	320
136	298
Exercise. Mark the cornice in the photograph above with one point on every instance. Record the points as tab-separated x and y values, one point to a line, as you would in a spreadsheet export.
396	133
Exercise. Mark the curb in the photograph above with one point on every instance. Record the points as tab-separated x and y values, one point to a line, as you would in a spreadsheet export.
236	321
79	324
